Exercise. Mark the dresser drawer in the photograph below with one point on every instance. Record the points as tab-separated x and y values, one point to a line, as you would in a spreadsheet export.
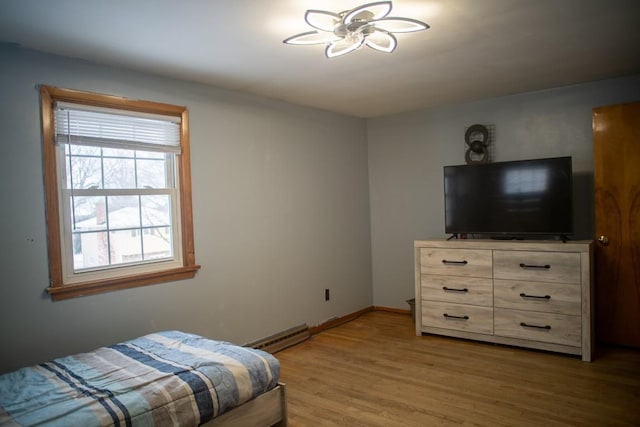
462	290
459	317
456	262
543	327
558	298
559	267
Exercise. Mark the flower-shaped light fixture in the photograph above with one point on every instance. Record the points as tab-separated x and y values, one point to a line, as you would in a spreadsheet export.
344	32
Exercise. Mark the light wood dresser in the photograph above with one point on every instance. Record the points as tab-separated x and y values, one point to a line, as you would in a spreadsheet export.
528	293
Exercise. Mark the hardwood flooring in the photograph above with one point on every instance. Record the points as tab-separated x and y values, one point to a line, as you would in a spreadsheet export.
374	371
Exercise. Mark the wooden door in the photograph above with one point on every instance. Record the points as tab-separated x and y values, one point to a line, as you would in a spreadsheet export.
616	138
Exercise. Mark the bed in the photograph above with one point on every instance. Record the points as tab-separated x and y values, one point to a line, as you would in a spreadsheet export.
161	379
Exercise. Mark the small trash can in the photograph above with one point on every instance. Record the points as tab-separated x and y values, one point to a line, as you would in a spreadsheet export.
412	305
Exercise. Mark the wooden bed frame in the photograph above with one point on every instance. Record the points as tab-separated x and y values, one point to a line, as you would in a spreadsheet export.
268	409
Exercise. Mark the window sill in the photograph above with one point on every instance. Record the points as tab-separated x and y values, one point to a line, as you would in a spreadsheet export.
61	292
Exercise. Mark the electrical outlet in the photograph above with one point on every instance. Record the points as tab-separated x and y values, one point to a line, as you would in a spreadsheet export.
327	295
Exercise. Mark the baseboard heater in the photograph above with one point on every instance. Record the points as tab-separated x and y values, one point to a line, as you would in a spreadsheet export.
282	340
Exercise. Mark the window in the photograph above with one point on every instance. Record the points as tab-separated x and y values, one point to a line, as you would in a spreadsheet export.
118	192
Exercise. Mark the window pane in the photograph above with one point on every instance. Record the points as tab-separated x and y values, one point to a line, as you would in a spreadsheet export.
151	155
124	212
82	150
90	250
125	248
117	152
152	174
83	172
157	243
156	210
119	173
88	213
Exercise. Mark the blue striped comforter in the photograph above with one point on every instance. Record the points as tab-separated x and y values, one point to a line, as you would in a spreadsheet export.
166	378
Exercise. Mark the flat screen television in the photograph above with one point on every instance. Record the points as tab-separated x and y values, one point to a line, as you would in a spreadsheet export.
510	199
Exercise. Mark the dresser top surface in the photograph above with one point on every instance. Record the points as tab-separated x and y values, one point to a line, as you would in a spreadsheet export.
511	245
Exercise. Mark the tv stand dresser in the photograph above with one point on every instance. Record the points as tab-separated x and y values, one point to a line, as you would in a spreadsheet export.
528	293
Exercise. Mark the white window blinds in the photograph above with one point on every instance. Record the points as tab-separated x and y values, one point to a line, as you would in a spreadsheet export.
112	128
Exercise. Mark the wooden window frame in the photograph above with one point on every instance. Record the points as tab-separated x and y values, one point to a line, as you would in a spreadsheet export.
58	289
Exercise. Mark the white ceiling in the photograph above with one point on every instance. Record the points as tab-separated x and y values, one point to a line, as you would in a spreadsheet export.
475	48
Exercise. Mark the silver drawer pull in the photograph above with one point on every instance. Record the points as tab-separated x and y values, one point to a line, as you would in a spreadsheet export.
444	288
526	325
539	267
449	262
449	316
547	297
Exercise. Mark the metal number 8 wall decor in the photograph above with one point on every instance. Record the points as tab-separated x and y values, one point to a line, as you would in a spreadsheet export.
477	140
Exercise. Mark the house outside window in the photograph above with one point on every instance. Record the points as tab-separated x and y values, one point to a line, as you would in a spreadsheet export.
118	186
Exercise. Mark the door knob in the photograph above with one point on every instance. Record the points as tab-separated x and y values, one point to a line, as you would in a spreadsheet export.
604	240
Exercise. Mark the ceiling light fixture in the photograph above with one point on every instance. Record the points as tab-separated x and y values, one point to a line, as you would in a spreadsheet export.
366	25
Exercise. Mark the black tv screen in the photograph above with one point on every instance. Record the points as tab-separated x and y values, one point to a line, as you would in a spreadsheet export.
515	198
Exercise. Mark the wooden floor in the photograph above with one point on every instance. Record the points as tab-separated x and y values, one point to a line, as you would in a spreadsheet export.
374	371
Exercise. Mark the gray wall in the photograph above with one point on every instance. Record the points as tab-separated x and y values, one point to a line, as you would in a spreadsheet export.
281	212
407	153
